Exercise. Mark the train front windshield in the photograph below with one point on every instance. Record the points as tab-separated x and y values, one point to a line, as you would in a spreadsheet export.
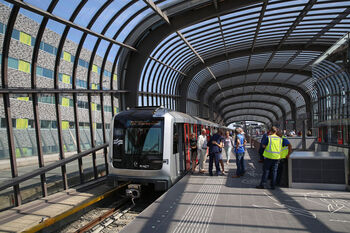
138	144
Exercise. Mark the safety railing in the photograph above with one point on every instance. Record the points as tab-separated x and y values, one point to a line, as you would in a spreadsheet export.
16	181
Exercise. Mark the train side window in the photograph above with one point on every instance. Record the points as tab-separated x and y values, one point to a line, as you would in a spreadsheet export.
175	139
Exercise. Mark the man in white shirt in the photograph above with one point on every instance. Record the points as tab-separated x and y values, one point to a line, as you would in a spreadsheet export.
202	150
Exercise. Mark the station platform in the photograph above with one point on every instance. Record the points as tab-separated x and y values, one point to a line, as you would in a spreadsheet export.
201	203
43	213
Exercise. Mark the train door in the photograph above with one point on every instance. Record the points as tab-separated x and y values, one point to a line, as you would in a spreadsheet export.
178	151
187	146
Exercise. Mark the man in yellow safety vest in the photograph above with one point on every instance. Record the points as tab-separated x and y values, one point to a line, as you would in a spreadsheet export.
273	147
282	171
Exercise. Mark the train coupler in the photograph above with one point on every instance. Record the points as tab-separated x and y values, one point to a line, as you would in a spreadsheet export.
133	191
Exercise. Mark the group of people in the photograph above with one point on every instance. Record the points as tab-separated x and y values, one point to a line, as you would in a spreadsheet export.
216	143
274	153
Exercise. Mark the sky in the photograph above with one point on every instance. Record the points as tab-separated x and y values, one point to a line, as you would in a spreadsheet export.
65	8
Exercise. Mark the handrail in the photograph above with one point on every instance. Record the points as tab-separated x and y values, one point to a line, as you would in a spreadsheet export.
39	171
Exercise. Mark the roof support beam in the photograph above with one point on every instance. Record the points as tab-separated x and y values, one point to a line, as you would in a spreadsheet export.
257	115
133	63
155	8
185	82
306	97
221	108
292	105
224	114
245	119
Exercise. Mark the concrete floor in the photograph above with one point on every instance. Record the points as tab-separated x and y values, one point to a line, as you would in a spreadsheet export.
200	203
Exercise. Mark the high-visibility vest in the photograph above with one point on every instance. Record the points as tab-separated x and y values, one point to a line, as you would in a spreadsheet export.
273	148
284	151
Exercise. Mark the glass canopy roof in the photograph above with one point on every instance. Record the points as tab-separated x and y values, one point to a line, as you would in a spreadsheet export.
201	51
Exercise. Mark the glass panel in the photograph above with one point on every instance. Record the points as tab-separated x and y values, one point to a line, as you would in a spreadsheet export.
54	181
61	9
39	3
108	114
21	50
84	123
116	105
88	168
73	173
24	131
4	150
47	55
68	126
48	127
31	189
100	162
6	195
107	14
96	118
5	167
87	12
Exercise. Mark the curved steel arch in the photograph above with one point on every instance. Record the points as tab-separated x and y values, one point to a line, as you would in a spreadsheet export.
257	114
134	62
252	108
254	101
291	103
288	100
184	84
249	120
211	82
306	97
248	114
301	91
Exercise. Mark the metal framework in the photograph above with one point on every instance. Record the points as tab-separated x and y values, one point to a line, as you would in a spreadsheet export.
257	33
202	54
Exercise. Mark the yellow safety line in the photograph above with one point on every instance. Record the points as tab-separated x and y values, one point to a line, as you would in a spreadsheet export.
50	221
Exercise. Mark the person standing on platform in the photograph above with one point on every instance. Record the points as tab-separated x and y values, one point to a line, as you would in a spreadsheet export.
273	146
228	144
193	145
202	150
261	148
282	171
214	152
221	145
240	144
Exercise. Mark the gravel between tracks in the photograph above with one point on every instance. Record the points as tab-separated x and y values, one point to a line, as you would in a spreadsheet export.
147	198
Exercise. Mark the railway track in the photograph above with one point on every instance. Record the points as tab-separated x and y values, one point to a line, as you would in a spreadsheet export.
112	216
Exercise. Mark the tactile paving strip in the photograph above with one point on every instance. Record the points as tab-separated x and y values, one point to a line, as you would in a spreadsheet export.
199	214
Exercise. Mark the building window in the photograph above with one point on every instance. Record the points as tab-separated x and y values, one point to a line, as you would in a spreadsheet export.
44	124
15	34
2	123
67	56
65	125
25	38
48	48
48	73
66	79
24	66
21	123
65	102
13	63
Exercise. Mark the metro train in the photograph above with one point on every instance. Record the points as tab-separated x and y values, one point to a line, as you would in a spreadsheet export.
150	146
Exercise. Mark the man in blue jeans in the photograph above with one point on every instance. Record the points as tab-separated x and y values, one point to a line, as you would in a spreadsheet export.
273	147
214	152
240	143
